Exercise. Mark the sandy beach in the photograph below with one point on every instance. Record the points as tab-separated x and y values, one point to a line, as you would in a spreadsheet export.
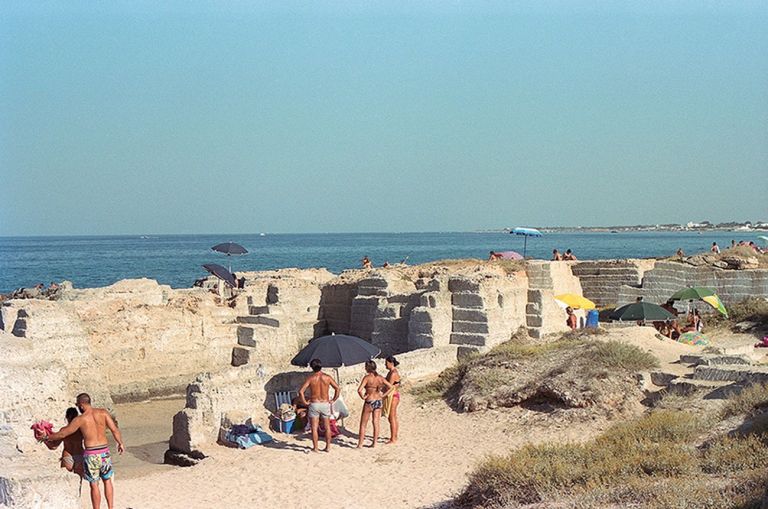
438	448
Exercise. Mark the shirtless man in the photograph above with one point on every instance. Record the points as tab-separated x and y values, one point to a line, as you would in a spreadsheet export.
319	404
97	463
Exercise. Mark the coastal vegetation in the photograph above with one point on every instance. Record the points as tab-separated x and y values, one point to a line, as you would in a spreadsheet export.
657	461
751	309
682	453
575	371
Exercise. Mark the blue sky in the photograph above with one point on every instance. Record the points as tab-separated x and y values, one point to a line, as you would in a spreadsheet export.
340	116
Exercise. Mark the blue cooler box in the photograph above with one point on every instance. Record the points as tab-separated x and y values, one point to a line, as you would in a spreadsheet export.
593	317
285	426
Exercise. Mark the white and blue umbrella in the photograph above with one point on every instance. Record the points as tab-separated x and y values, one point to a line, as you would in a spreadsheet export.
526	232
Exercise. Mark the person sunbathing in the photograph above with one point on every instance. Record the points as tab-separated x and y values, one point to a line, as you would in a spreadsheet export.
494	256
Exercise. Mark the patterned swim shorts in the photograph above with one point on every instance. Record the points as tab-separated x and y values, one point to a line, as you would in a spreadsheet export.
97	464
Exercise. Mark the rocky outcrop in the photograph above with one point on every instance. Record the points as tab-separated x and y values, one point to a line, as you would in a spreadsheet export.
39	381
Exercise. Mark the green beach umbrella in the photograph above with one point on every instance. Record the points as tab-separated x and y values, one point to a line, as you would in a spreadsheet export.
701	293
641	311
693	293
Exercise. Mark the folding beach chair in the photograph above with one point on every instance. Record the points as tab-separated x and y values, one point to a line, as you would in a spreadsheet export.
283	397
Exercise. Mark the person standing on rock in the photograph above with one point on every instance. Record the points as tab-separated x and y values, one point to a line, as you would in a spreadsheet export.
97	462
319	405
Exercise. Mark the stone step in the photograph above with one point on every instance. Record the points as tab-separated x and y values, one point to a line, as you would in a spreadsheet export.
458	285
258	310
269	321
461	338
241	356
732	373
245	336
662	379
467	300
714	359
471	327
469	314
534	320
714	389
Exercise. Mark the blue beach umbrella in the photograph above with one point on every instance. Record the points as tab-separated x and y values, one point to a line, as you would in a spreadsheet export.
526	232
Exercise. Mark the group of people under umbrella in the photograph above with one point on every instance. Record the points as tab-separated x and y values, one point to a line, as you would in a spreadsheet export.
663	317
378	393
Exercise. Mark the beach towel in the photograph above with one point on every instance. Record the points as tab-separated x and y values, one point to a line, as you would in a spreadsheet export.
387	405
693	338
321	428
245	436
41	429
44	428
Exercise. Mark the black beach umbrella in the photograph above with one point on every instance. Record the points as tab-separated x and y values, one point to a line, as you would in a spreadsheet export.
229	249
221	273
336	350
641	311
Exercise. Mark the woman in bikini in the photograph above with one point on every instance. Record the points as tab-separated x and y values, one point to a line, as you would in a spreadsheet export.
72	455
393	401
371	391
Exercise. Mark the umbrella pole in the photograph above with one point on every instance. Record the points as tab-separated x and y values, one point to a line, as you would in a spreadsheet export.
525	245
338	381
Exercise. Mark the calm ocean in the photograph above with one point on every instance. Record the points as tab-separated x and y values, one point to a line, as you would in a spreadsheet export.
176	259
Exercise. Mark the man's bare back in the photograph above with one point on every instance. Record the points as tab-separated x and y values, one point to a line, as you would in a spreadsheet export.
93	425
318	384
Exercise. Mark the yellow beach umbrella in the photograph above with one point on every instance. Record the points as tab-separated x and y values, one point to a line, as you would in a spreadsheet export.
575	301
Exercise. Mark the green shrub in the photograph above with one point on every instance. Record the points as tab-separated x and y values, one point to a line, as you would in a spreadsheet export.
441	386
618	355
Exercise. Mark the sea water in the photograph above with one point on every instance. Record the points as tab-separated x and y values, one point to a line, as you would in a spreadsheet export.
177	260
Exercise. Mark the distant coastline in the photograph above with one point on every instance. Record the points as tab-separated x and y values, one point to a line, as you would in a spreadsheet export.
704	226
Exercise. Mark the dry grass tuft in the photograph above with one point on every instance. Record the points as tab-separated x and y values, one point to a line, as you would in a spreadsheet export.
618	355
650	462
750	401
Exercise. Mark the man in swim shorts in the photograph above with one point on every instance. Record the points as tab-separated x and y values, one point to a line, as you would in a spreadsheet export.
97	462
319	404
